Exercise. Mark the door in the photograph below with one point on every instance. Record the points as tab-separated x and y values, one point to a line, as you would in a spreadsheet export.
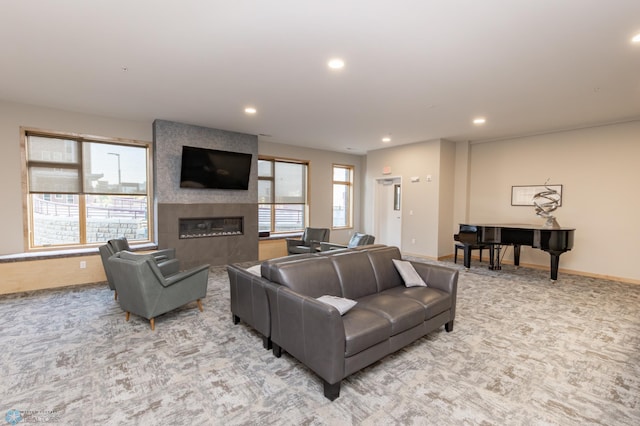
388	212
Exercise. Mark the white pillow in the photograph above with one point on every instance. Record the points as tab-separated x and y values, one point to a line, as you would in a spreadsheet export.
408	274
255	270
340	303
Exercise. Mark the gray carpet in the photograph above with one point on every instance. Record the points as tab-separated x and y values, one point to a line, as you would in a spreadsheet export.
524	351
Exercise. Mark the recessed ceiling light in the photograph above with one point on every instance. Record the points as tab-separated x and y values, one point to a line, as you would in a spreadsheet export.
636	38
250	110
479	120
386	139
336	63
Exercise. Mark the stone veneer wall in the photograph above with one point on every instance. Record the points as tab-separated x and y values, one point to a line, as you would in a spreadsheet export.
174	202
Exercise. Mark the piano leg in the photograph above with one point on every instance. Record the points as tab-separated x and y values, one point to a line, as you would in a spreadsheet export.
516	255
555	262
467	256
494	257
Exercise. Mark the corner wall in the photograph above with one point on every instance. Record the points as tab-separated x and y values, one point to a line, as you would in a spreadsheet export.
425	222
598	168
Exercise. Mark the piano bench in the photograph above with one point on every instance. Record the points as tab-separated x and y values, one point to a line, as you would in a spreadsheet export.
460	246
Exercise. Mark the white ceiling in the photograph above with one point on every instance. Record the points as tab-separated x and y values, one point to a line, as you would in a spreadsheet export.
417	70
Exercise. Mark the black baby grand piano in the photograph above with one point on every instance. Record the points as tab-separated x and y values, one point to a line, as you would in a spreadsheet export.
554	241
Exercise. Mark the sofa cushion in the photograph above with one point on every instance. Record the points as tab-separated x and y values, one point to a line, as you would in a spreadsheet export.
381	260
434	301
364	328
402	312
355	273
313	277
408	274
342	304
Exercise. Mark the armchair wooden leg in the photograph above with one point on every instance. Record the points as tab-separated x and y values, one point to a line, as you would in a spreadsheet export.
115	295
200	305
152	321
127	317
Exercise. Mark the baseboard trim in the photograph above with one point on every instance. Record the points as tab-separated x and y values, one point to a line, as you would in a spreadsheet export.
536	266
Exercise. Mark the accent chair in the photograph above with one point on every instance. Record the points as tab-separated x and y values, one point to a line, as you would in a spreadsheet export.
309	242
165	258
357	239
145	291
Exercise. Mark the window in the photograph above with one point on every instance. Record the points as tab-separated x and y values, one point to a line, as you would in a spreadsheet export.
342	196
85	190
282	195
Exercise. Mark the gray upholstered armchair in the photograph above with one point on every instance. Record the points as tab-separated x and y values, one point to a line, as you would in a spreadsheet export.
166	259
357	239
309	242
145	291
120	244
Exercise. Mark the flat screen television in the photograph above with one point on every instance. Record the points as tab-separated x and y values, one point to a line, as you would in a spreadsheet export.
211	168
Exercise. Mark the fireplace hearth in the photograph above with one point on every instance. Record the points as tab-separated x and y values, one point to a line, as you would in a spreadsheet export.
210	227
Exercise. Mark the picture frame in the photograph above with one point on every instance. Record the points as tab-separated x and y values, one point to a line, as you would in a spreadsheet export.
522	195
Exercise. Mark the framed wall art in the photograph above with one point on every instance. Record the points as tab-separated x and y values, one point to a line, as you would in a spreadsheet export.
522	195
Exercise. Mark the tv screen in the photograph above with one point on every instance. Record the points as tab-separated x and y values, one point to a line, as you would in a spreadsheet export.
211	168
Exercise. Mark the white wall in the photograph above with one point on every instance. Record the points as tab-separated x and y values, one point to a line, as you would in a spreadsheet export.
321	183
598	168
421	211
12	116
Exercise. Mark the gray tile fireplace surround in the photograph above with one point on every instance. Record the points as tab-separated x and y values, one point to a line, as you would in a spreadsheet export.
215	250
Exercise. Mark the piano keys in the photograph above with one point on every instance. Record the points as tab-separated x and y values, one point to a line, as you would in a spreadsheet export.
554	241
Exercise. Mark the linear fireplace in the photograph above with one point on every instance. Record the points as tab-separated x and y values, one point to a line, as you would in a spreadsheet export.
210	227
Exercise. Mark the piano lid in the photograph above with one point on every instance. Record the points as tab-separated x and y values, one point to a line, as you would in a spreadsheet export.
518	226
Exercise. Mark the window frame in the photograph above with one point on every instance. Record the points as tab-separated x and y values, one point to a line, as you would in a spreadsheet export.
81	138
349	184
273	203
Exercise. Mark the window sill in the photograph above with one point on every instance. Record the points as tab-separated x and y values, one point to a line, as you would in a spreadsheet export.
57	254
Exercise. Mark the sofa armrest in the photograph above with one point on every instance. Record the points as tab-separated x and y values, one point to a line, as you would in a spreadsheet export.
164	254
324	246
440	277
249	299
176	278
309	330
169	267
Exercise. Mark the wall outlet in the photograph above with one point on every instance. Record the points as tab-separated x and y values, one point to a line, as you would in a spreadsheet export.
413	241
83	264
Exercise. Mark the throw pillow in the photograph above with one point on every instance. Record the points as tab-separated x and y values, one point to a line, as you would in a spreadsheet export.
340	303
255	270
408	274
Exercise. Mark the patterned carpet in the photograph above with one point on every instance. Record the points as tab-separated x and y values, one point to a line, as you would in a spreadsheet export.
524	351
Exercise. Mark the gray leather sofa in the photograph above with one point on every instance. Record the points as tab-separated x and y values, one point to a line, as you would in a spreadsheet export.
249	301
388	315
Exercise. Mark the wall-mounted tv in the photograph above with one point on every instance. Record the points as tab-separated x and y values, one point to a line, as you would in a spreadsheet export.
211	168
